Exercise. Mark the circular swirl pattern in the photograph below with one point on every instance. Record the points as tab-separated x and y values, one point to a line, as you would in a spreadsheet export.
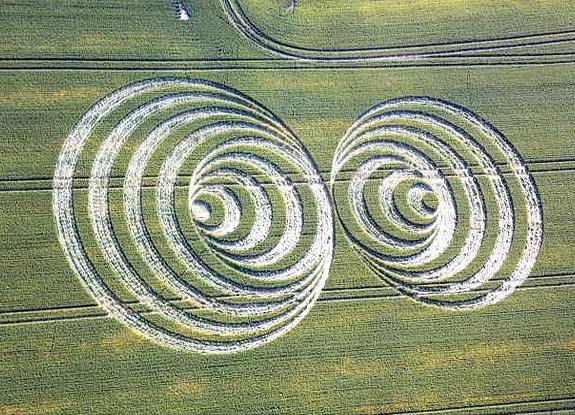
438	202
231	258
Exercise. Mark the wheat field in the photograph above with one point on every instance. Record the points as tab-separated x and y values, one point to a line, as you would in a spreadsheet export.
287	207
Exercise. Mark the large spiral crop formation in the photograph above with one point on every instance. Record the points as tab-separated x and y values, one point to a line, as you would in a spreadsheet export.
239	262
438	202
206	225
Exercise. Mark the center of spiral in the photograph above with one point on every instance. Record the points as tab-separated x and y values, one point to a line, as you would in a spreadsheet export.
200	210
423	199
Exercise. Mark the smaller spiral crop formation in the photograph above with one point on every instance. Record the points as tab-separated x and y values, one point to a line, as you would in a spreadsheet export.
438	202
205	225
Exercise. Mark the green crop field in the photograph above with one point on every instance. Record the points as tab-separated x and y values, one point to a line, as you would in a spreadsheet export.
287	207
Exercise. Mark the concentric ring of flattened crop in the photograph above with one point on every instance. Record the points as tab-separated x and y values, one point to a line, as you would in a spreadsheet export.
240	262
438	202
